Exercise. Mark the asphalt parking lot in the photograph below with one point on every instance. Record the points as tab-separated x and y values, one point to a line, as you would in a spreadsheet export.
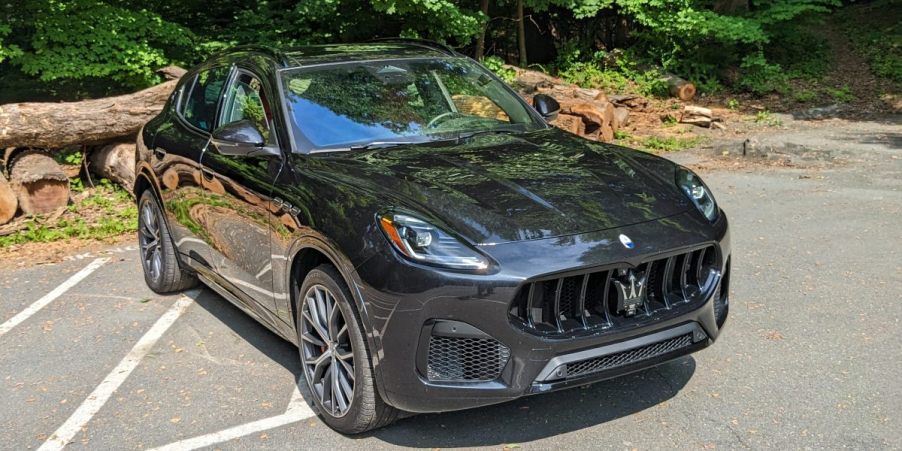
811	356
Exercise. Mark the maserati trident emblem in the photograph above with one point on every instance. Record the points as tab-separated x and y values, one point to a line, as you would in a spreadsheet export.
627	242
630	290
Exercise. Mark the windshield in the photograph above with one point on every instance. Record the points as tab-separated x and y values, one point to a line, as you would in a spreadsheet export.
339	106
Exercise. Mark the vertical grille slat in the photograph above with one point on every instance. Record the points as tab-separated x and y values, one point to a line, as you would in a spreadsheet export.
590	300
557	305
581	303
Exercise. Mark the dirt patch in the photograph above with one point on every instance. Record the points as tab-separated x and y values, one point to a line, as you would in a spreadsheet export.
32	254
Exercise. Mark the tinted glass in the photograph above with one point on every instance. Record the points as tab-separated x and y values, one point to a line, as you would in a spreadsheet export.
246	99
200	105
341	105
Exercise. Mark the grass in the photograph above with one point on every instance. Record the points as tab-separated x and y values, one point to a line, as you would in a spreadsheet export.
670	143
101	212
842	95
766	118
804	95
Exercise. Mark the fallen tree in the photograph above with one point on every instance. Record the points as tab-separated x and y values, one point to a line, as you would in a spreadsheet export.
54	125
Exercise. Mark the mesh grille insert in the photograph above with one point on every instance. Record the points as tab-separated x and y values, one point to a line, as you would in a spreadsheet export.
465	359
628	357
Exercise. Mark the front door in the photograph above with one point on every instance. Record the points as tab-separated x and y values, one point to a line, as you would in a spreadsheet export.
176	160
238	191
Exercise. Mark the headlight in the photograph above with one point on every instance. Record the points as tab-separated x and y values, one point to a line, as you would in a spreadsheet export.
424	243
691	185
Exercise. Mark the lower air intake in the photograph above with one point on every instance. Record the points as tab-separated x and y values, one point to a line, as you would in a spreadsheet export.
465	359
628	357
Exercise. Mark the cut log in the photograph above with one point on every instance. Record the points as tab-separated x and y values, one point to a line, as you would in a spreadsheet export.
696	115
570	123
56	125
115	162
8	202
680	88
631	101
40	184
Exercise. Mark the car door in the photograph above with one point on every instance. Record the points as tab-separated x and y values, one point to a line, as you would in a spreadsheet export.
178	146
239	190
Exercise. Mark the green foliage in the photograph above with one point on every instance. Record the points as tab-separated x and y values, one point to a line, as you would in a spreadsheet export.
733	104
842	94
804	95
875	30
107	211
610	72
496	65
761	77
90	38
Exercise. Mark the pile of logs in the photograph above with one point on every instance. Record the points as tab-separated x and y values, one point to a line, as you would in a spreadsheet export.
586	112
31	180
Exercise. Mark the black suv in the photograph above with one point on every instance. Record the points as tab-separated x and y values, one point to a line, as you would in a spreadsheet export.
421	233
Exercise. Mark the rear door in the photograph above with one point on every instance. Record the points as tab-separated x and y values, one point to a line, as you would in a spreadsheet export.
238	190
178	146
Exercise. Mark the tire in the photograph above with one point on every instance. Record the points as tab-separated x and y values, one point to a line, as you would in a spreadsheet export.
159	259
366	410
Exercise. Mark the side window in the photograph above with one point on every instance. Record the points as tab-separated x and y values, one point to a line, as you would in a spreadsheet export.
203	97
246	100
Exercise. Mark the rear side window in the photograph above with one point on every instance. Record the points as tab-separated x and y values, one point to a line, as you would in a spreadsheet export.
203	97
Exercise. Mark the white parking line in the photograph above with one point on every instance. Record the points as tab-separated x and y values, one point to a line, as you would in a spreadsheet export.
297	410
105	390
49	297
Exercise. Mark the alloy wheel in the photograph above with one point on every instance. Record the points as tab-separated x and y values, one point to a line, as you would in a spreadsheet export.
328	357
150	242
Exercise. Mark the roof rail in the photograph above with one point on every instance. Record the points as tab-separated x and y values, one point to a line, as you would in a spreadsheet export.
425	43
276	54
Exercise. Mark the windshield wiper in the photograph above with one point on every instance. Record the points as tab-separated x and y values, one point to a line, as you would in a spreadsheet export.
382	145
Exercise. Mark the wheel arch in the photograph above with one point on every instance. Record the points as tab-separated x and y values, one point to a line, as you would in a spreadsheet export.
312	251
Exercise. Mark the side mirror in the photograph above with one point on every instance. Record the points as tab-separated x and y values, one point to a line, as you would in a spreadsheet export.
547	107
242	139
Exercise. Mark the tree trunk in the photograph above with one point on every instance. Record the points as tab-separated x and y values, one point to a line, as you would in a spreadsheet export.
55	125
115	162
521	34
680	88
8	202
39	183
480	39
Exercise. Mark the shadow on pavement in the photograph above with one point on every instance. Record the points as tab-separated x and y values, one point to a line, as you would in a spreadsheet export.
541	416
267	342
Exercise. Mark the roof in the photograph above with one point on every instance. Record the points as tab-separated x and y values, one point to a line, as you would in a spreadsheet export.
334	53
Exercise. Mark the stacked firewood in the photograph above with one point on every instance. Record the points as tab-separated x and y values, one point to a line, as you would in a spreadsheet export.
32	182
586	112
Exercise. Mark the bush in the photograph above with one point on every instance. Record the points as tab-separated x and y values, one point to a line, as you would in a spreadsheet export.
496	65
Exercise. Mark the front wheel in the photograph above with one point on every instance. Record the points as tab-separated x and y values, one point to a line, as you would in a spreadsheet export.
334	356
162	270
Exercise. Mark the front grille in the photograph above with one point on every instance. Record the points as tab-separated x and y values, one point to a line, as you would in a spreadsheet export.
465	359
618	295
624	358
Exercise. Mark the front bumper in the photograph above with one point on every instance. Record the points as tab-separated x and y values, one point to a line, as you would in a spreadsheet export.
405	305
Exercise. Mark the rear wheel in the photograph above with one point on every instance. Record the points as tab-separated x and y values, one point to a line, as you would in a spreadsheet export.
162	270
334	356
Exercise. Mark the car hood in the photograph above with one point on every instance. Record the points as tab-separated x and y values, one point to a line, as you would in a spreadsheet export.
502	188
